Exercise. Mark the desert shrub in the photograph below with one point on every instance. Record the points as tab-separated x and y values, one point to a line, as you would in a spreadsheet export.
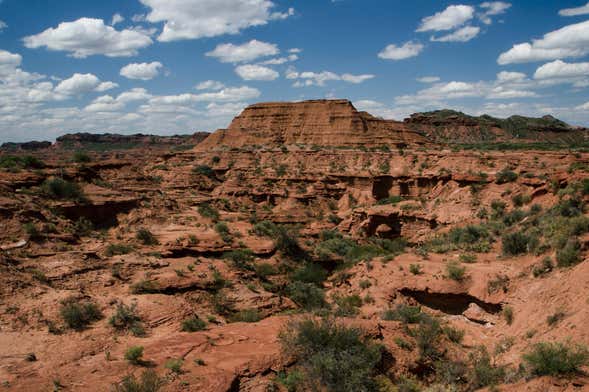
508	315
146	237
505	176
12	162
193	324
333	357
468	235
204	170
58	188
390	200
134	354
514	217
519	200
427	336
310	273
126	318
405	313
499	282
347	305
306	295
415	269
543	268
364	284
223	230
556	359
555	318
32	231
514	244
263	270
81	157
570	254
174	365
287	242
483	372
454	334
207	211
117	250
246	316
265	229
79	314
404	344
498	208
241	258
148	382
83	226
144	286
455	271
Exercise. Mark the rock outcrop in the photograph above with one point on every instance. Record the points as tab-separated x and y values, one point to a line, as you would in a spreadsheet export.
329	123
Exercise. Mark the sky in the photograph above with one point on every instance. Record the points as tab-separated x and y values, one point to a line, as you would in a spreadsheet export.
180	66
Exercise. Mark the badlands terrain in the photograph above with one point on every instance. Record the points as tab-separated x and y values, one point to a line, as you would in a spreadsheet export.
308	247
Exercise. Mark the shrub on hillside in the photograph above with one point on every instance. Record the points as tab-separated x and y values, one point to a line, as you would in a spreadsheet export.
79	314
58	188
556	359
146	237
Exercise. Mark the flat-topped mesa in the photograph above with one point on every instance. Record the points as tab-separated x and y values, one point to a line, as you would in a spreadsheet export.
317	122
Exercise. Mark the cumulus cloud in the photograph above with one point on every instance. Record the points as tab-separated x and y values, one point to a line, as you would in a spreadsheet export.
3	25
281	60
405	51
210	85
463	34
256	72
562	72
307	78
78	84
116	19
86	37
105	86
492	8
508	77
141	71
582	10
192	19
569	41
230	53
453	16
9	61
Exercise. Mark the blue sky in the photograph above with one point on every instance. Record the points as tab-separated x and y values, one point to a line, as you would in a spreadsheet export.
178	66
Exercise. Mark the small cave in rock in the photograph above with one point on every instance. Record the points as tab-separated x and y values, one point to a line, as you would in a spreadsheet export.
449	303
103	216
381	187
392	225
404	189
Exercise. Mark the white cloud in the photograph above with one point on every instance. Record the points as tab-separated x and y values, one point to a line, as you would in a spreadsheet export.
225	109
507	77
463	34
229	94
86	37
141	71
569	41
138	18
452	17
192	19
564	71
584	106
256	72
78	84
210	85
116	19
428	79
582	10
280	60
106	103
3	25
295	50
356	79
229	53
407	50
105	86
135	94
9	61
307	78
493	8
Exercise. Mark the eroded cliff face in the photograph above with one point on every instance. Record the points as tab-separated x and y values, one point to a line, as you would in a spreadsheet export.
317	122
198	234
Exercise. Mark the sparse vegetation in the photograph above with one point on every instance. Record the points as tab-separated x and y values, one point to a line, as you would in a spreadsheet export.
556	359
193	324
58	188
78	314
126	318
455	271
146	237
134	355
207	211
149	381
117	250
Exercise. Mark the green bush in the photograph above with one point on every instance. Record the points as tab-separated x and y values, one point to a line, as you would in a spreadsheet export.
515	243
543	268
81	157
505	176
223	230
79	314
83	227
454	334
310	273
207	211
415	269
126	318
306	295
484	373
204	170
455	271
333	357
32	231
348	305
16	162
246	316
146	237
405	313
265	229
390	200
427	336
144	286
174	365
148	382
570	254
263	270
118	249
508	315
556	359
134	354
58	188
193	324
241	258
